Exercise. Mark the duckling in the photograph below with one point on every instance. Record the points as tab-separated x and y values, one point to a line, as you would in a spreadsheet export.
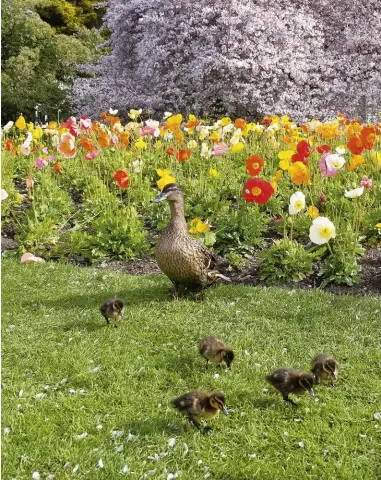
289	380
216	351
112	309
324	366
181	257
199	406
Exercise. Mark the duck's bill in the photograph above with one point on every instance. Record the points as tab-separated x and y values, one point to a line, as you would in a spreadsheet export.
225	411
159	198
334	376
311	392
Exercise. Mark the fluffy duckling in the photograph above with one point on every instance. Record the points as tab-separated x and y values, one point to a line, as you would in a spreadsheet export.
112	309
199	406
289	380
324	366
215	351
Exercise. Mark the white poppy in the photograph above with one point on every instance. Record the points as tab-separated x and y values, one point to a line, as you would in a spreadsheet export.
334	161
297	203
135	113
357	192
322	230
340	150
4	194
167	114
205	151
112	112
8	126
236	136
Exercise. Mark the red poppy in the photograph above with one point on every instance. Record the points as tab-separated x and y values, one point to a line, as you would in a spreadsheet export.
9	145
122	179
304	149
323	148
355	145
183	155
170	151
257	190
299	158
254	165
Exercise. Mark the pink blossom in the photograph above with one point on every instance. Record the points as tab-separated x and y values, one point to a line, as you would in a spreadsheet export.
146	131
25	149
51	158
70	122
114	140
85	123
367	182
45	150
219	149
74	130
41	162
325	169
92	155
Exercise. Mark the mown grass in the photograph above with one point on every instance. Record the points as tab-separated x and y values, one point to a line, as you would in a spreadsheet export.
52	330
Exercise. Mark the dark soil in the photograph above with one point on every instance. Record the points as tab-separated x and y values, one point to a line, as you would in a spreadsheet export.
370	274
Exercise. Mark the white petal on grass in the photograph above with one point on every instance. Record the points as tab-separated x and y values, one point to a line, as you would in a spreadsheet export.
63	381
126	469
154	457
356	192
7	430
265	390
117	433
120	448
171	476
81	435
99	427
297	420
186	449
362	435
171	442
40	395
4	194
301	444
95	369
75	468
377	416
100	463
216	376
130	436
207	475
20	393
252	456
36	475
285	434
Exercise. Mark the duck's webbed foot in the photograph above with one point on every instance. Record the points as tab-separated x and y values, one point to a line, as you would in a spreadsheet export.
287	399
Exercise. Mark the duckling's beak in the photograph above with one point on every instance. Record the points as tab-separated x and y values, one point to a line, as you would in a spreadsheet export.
122	313
311	392
159	198
334	376
225	410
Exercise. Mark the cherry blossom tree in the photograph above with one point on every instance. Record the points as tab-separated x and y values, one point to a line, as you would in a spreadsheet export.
252	57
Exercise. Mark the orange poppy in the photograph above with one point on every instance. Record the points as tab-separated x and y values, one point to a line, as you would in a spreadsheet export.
29	182
355	145
58	167
368	137
9	145
122	179
104	140
254	165
87	144
124	138
240	123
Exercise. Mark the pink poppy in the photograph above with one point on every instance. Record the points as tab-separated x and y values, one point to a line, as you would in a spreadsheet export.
219	149
367	182
92	155
85	123
114	140
324	168
41	162
70	122
147	130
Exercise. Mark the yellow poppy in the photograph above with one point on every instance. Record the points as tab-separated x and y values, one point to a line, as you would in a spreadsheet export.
163	181
238	147
20	123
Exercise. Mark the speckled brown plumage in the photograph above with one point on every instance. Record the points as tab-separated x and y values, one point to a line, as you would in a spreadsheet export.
215	350
290	381
199	406
182	258
324	367
112	310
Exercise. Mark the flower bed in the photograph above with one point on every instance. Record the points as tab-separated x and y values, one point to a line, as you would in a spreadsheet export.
81	189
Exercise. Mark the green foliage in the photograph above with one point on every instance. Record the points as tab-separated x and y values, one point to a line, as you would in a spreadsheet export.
341	266
239	230
38	64
286	261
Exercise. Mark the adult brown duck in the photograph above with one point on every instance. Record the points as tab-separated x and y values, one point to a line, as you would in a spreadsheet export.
182	258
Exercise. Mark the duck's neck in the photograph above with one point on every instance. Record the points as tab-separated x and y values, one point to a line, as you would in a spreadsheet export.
177	221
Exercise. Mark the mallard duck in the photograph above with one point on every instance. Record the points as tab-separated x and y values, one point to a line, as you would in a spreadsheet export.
216	351
182	258
324	366
112	309
289	380
199	406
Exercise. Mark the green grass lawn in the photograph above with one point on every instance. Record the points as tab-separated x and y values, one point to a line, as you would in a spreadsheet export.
65	374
